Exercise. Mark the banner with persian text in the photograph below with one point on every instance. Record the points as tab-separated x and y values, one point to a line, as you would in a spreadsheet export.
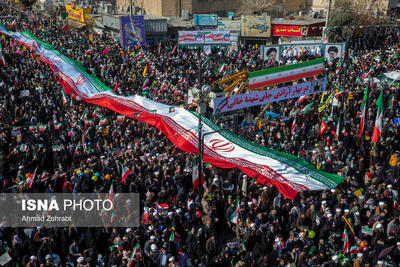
225	104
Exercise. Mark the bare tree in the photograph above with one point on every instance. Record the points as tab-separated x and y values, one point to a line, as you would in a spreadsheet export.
27	3
251	7
348	18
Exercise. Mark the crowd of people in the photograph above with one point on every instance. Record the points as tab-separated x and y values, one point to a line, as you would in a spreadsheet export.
40	132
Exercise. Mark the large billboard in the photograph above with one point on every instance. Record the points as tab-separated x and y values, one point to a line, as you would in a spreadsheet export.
255	26
288	30
204	37
77	13
205	19
225	104
191	38
297	30
217	37
132	30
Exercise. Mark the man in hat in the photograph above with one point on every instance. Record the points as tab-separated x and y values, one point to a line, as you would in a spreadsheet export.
32	262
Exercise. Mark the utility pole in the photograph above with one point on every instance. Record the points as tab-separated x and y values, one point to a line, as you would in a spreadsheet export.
327	18
131	8
327	13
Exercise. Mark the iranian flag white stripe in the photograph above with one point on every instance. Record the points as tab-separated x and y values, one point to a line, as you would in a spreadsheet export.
378	121
283	74
195	174
125	172
288	173
234	218
364	109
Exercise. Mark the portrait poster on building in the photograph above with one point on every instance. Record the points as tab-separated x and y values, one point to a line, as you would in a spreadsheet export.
333	51
270	54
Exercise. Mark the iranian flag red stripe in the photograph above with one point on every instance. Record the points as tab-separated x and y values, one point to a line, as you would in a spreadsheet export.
290	174
378	121
283	74
125	173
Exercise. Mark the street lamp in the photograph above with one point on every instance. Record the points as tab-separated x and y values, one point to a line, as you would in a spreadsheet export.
200	97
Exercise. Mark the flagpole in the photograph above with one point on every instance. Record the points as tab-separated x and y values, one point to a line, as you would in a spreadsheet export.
366	113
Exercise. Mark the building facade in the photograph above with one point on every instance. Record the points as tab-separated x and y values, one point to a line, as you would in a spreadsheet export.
174	8
292	7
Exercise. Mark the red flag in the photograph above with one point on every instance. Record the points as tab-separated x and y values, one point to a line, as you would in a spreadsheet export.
106	50
323	127
116	87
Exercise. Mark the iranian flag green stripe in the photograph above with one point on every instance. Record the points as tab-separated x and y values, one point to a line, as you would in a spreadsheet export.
283	74
290	174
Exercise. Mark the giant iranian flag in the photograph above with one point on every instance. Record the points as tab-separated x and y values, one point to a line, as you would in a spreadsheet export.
268	77
290	174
